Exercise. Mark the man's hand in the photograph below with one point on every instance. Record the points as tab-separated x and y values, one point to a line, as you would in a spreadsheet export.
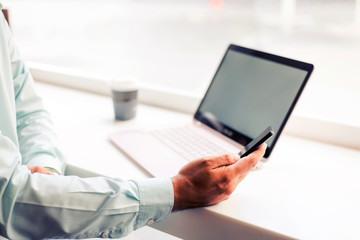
211	180
38	169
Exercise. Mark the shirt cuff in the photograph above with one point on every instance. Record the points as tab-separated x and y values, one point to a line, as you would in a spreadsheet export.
46	161
156	200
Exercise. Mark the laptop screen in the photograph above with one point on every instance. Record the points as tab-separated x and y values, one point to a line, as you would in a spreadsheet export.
250	91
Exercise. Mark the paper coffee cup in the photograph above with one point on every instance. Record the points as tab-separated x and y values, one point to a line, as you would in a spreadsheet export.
124	94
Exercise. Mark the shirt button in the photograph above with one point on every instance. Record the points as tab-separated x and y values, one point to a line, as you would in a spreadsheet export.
105	235
150	221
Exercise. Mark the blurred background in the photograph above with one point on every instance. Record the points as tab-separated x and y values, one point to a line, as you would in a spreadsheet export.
179	43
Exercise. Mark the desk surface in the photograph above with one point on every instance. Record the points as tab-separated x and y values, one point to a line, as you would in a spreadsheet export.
307	189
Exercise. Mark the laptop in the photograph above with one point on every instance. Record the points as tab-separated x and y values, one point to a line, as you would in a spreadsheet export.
250	91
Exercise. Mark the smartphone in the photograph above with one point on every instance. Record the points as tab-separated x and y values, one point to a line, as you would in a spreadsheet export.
256	143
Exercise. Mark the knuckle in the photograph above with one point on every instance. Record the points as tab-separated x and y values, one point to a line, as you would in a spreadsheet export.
228	157
225	179
205	163
221	188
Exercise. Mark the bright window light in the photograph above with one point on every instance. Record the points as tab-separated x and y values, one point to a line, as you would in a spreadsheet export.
179	43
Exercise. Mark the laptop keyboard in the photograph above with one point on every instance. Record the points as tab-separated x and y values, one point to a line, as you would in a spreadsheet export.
187	142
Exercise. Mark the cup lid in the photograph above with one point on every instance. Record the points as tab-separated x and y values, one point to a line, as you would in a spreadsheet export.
124	84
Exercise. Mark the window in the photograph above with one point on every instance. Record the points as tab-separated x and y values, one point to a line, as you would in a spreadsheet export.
179	43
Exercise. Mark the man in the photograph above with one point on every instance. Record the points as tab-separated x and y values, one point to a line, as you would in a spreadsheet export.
37	201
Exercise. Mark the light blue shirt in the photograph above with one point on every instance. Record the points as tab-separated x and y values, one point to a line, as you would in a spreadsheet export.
35	206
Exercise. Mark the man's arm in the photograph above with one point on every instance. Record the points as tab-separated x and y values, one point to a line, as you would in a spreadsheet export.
36	138
36	206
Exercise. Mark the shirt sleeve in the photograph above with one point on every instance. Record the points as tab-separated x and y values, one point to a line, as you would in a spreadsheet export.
37	141
37	206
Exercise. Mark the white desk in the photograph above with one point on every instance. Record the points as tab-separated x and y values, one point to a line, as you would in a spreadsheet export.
307	190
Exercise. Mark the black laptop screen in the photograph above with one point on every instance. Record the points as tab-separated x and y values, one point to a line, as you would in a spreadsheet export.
252	90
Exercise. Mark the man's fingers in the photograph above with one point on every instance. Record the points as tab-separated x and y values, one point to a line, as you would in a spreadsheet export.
245	164
224	160
38	169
